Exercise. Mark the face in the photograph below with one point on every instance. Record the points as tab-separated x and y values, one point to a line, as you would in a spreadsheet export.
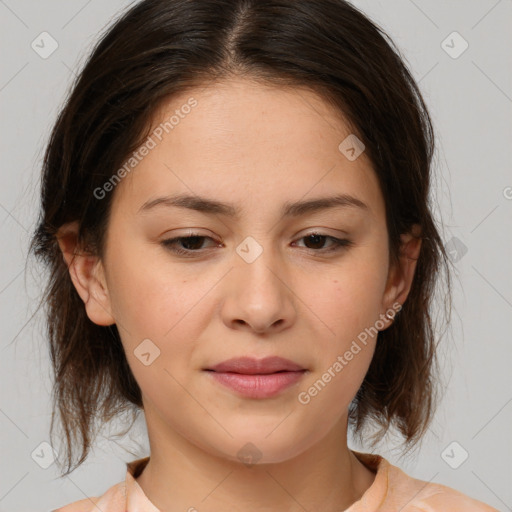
258	278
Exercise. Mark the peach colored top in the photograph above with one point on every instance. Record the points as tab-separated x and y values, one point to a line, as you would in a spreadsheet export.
392	491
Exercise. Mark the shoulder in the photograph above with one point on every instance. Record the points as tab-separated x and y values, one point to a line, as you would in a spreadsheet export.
113	500
84	505
420	496
440	497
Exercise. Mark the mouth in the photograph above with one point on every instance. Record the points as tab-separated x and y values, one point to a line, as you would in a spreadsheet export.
253	378
253	366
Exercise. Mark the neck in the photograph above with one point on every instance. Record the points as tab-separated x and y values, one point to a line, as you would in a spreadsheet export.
182	476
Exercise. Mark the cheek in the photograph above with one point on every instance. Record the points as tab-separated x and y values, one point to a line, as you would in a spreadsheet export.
153	310
348	309
347	300
350	298
148	298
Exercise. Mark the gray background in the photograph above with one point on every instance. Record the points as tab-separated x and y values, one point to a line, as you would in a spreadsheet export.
470	99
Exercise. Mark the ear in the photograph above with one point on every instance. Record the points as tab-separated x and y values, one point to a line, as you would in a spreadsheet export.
400	276
87	273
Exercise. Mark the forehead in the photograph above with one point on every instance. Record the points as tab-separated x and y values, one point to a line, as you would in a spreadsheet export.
248	144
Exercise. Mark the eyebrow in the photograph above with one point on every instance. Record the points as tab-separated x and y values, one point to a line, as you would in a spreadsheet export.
294	209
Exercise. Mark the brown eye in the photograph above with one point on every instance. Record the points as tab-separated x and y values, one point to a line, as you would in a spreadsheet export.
189	244
316	241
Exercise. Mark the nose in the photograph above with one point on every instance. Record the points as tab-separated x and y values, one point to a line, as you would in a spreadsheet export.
258	295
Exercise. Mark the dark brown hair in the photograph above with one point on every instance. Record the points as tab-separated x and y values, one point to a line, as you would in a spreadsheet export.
159	48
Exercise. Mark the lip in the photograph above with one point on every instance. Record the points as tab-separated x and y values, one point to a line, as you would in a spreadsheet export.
252	366
257	378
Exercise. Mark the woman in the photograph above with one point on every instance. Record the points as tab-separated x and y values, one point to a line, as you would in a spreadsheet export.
235	215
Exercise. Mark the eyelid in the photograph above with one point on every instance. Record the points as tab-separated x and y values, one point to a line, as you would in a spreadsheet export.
324	232
194	232
337	244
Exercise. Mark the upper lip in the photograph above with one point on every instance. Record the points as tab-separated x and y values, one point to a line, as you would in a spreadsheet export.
252	366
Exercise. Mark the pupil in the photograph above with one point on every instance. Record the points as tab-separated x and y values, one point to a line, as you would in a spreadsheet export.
190	241
316	239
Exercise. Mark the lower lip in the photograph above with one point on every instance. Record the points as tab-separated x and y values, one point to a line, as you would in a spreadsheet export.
258	386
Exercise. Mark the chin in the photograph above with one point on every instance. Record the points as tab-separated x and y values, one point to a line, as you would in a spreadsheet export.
260	448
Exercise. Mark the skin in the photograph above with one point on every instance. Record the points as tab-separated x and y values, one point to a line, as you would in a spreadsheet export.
257	147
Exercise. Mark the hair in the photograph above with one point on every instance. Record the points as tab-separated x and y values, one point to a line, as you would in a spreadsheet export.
159	48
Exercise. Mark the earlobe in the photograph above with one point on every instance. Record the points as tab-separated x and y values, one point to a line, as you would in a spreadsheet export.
87	274
400	277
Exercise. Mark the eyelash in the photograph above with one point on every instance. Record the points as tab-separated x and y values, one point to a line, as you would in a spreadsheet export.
339	244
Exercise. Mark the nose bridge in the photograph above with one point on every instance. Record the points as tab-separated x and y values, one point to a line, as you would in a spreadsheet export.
259	294
259	263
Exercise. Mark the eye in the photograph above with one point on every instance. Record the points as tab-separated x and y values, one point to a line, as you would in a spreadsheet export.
316	239
191	244
188	245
